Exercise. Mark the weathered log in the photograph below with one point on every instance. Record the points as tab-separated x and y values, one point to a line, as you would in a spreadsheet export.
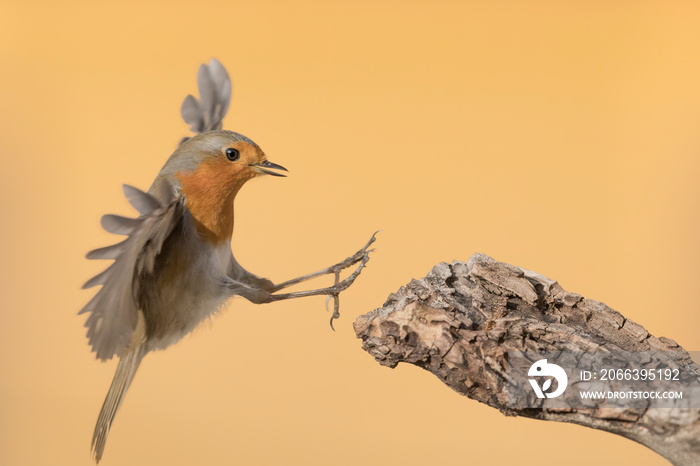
462	319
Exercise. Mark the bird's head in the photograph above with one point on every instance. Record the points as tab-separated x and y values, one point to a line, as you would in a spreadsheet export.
209	169
216	161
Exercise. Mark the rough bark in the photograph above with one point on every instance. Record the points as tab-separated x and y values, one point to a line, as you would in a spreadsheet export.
460	321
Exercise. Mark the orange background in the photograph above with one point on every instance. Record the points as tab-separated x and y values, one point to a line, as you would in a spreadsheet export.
558	136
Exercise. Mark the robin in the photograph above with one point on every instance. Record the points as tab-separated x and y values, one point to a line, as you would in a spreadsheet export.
176	267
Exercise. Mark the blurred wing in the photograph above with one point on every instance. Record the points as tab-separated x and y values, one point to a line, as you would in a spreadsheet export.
208	113
114	310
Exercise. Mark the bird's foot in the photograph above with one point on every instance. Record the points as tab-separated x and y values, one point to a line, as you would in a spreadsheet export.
334	291
355	258
361	256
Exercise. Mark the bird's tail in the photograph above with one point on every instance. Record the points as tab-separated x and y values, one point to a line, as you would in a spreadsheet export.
120	384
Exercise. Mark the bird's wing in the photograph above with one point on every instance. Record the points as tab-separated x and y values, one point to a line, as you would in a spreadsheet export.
114	310
208	113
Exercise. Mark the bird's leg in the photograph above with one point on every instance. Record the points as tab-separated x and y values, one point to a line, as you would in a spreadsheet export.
336	269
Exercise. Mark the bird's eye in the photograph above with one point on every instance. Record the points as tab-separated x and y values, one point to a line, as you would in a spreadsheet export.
232	154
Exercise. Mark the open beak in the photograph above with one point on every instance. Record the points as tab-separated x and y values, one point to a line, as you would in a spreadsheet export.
262	167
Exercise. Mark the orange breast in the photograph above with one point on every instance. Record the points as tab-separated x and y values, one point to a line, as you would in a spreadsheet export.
209	192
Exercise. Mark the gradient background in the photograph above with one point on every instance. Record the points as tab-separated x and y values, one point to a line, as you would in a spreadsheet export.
558	136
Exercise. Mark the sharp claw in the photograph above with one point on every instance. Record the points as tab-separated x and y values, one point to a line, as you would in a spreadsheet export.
336	300
355	258
336	310
371	240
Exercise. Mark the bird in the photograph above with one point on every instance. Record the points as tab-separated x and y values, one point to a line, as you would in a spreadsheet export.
176	267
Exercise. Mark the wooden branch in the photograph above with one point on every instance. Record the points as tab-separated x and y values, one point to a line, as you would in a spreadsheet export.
460	321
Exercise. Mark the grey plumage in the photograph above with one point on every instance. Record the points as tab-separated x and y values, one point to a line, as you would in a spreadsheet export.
120	384
214	86
108	252
113	312
116	325
119	225
142	202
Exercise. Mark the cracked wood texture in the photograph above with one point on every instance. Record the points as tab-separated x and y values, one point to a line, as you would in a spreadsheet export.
460	321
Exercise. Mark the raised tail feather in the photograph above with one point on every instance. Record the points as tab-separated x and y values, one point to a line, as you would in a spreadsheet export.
128	364
208	113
